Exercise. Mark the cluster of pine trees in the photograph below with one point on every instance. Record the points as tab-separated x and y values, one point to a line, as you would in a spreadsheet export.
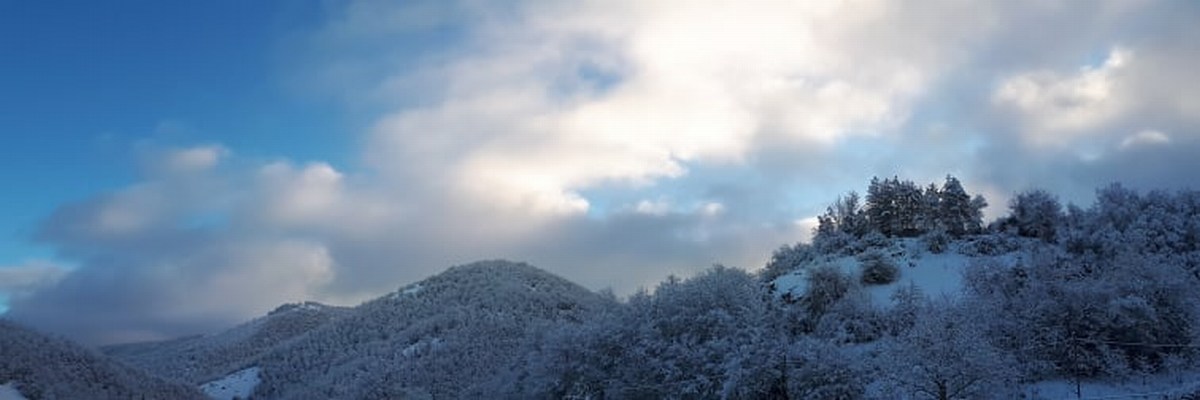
900	208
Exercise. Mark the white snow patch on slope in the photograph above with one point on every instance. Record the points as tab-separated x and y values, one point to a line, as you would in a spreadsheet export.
423	347
1173	385
936	275
409	290
238	384
310	306
10	392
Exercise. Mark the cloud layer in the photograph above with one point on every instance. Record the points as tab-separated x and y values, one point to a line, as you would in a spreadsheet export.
615	142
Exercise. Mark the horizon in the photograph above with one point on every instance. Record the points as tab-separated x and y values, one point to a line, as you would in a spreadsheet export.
178	168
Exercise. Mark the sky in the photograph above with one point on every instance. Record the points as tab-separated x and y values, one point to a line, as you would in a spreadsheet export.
176	168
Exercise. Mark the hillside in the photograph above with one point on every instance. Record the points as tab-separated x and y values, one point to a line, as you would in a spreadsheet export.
202	358
43	367
442	336
935	273
1102	302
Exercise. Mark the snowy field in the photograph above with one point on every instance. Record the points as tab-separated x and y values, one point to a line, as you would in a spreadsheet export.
1161	386
8	392
239	384
936	274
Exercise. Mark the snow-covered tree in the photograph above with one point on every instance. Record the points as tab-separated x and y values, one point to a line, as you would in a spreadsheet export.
786	259
1034	213
958	213
46	367
946	355
820	369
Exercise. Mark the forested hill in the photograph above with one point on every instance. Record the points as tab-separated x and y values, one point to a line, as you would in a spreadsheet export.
904	293
43	367
449	336
201	358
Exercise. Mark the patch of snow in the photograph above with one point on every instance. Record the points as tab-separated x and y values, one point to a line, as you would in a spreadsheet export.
406	291
239	384
310	306
422	347
1160	386
9	392
936	274
795	283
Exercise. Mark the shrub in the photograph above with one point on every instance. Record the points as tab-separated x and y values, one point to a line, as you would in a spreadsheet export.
826	285
936	241
823	370
787	259
991	245
877	269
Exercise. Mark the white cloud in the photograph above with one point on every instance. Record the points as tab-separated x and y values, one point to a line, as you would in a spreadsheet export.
557	100
254	277
712	209
194	159
21	280
1057	108
658	207
291	196
806	227
1144	138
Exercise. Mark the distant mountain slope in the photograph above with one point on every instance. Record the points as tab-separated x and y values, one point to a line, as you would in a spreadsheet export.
43	367
202	358
441	337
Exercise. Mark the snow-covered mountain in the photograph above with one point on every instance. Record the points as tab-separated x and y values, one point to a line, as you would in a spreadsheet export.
441	337
202	358
908	296
37	366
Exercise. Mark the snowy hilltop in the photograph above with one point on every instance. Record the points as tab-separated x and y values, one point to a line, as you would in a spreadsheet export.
904	293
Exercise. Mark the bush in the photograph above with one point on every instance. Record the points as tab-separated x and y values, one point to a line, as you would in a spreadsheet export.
874	240
836	242
1036	214
852	319
826	286
877	269
991	245
823	370
786	259
936	241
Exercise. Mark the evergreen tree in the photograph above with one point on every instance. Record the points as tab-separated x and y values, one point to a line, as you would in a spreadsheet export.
880	210
909	203
930	204
956	212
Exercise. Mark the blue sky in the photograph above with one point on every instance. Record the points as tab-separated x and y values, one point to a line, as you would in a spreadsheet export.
177	167
86	83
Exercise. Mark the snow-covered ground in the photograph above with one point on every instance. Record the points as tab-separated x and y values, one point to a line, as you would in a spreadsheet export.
936	274
9	392
1162	386
409	290
942	274
239	384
